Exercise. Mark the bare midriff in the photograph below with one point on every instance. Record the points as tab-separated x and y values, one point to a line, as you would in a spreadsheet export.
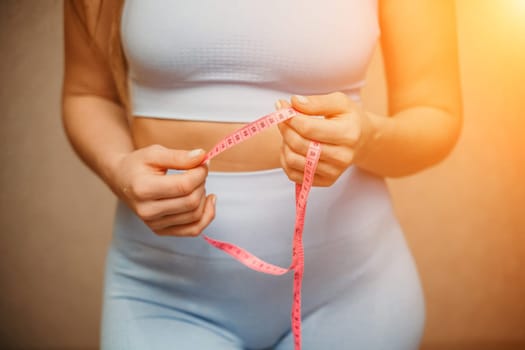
260	152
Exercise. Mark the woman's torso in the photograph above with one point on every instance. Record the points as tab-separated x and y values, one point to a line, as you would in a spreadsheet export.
199	70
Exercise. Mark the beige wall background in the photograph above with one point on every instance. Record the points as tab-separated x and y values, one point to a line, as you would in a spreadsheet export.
464	219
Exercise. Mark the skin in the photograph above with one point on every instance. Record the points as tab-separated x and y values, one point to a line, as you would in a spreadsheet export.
423	124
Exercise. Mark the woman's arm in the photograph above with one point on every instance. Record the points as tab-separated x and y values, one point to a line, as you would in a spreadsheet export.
419	49
97	127
93	118
421	65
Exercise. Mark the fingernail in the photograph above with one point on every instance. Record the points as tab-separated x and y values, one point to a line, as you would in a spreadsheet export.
195	153
207	163
278	105
214	200
301	99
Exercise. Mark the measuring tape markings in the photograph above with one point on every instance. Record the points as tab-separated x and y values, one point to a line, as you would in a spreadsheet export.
301	197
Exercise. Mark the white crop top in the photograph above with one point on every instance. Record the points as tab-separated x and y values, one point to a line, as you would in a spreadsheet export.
231	60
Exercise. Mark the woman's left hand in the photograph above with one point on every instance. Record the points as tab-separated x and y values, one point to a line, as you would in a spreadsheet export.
343	133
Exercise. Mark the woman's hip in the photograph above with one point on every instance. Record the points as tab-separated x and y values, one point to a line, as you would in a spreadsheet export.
348	230
256	210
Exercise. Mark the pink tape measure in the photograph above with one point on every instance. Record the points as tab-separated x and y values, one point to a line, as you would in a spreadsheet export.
301	196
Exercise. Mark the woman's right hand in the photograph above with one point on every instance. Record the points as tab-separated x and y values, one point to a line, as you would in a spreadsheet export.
169	204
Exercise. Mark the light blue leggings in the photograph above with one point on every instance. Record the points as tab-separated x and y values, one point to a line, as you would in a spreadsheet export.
360	289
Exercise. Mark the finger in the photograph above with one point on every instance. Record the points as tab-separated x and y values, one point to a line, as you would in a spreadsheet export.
156	187
322	130
178	219
328	105
327	131
293	140
292	160
167	158
319	181
280	104
153	210
293	174
293	165
329	152
339	157
332	153
196	228
295	162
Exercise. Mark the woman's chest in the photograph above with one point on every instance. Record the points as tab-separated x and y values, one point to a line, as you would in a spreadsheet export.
274	42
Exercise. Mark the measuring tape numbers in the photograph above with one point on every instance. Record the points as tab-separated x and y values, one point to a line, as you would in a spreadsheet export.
301	197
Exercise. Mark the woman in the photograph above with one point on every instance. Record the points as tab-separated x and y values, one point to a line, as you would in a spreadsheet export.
199	70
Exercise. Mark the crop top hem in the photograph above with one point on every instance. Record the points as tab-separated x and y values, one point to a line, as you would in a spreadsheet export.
227	103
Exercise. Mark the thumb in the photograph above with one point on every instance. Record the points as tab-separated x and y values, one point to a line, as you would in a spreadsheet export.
173	158
322	105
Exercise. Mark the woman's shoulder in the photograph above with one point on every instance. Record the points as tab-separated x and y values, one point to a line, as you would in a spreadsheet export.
98	17
92	32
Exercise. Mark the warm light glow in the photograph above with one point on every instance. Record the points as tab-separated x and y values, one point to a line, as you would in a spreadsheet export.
516	12
504	13
518	5
500	25
512	12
